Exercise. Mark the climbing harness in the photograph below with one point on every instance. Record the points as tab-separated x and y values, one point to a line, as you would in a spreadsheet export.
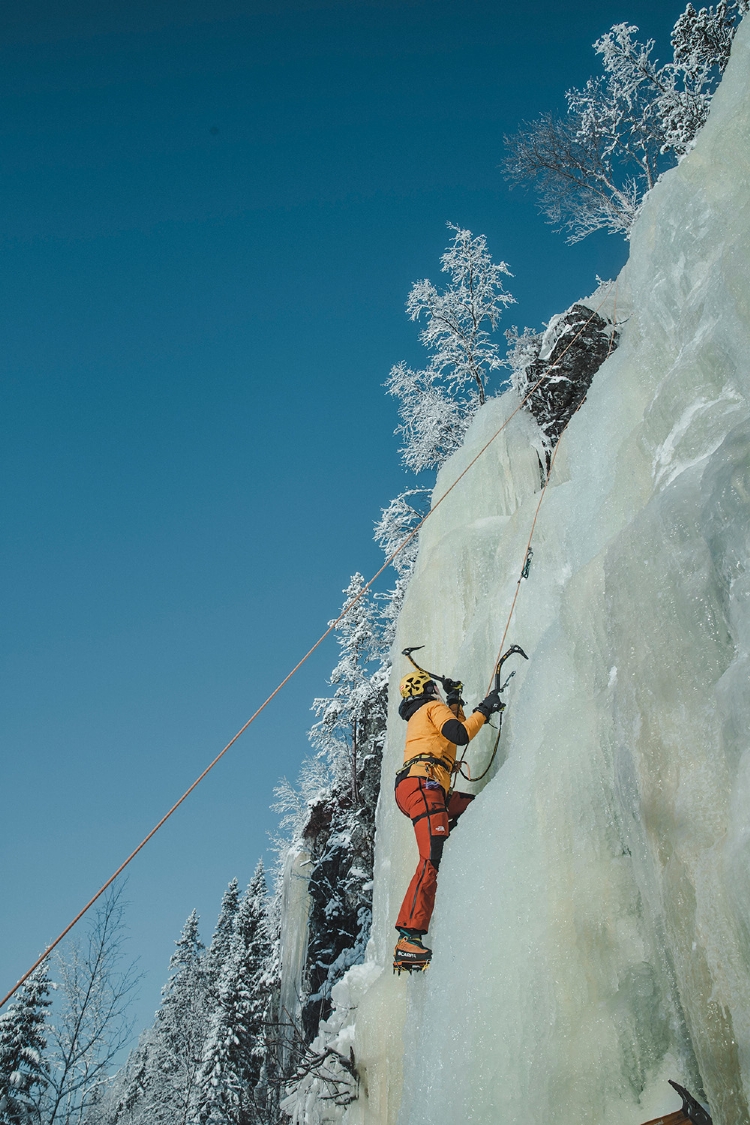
332	625
425	759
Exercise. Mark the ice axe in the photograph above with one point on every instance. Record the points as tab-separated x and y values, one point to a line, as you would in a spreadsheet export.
692	1109
446	681
514	650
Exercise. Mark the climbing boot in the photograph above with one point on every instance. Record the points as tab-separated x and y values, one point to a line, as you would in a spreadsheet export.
410	954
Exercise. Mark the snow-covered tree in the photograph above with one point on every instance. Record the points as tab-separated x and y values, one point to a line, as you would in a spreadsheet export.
392	530
90	1021
437	403
339	827
207	1055
330	814
127	1103
230	1089
174	1049
344	727
218	951
23	1073
455	332
523	353
433	424
592	167
701	42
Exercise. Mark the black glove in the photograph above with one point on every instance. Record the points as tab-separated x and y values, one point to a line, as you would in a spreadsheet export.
491	705
453	689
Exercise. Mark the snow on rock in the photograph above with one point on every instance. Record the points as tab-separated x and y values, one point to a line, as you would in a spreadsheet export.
592	930
568	354
322	1094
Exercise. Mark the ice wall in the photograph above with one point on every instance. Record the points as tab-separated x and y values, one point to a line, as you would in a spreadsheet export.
592	930
294	909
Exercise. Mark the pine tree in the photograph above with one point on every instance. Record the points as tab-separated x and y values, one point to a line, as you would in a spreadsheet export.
701	42
343	729
23	1074
128	1103
230	1090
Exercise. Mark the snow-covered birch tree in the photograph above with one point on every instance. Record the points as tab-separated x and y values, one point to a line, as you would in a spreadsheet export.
90	1022
438	402
592	167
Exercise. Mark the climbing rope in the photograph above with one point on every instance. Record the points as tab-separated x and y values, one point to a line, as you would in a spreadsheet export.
527	555
528	552
347	609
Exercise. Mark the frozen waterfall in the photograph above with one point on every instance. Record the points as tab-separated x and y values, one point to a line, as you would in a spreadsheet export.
592	929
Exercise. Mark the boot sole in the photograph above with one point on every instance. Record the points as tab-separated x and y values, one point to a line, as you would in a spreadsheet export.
400	966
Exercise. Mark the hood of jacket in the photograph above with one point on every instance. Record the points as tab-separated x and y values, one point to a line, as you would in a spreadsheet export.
409	707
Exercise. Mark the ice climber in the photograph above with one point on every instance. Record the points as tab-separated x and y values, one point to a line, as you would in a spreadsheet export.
434	730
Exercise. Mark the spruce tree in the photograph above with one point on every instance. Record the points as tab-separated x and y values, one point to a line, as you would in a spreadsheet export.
221	942
339	825
179	1032
230	1089
22	1044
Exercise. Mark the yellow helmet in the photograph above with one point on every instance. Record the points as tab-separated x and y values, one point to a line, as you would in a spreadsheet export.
414	683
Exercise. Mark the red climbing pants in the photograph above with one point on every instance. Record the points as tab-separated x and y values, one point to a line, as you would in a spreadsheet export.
424	802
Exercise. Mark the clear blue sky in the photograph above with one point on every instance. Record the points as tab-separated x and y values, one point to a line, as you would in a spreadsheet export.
211	216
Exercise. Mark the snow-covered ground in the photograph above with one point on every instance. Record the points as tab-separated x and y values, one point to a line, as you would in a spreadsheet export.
592	929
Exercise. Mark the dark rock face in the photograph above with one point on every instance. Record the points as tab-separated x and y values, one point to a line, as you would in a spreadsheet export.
341	836
569	354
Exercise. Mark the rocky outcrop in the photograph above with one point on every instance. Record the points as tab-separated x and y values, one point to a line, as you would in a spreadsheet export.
565	357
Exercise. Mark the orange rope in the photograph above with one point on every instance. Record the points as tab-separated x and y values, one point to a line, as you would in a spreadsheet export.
288	677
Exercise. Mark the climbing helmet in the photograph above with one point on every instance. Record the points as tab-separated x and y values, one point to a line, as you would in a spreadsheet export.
414	683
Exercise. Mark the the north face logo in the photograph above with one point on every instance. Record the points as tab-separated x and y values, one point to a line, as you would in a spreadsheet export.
440	828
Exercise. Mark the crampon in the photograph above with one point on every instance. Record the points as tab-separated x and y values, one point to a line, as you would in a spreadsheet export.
410	956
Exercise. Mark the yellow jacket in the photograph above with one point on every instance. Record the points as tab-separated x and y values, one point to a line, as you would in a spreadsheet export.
432	734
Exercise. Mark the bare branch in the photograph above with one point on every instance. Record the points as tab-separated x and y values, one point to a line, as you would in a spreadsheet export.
92	1025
